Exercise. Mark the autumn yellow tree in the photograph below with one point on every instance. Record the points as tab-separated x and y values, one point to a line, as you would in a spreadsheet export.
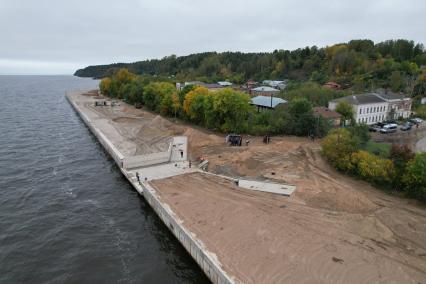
373	168
176	106
338	147
193	103
105	86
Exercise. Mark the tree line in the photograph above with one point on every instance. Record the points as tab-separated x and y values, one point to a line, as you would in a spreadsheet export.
225	110
357	64
402	170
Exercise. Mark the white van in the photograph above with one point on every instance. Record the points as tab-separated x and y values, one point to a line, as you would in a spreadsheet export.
389	128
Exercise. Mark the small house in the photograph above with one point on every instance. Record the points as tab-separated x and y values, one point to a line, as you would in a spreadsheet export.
266	102
264	91
333	117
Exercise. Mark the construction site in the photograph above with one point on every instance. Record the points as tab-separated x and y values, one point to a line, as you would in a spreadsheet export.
330	227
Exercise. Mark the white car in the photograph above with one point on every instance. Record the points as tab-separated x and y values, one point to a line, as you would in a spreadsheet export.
389	128
417	120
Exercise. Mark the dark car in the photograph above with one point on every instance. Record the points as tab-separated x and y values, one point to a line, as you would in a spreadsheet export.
374	128
406	127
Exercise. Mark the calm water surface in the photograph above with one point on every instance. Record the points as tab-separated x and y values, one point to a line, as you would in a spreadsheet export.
67	215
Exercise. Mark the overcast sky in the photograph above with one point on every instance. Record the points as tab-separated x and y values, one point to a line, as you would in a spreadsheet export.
59	36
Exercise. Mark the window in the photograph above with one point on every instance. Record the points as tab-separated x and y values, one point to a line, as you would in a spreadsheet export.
360	111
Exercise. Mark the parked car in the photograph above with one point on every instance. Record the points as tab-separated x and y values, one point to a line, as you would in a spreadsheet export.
374	128
416	120
406	127
389	128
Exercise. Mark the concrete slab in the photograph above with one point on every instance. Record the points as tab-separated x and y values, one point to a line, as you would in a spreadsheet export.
270	187
161	171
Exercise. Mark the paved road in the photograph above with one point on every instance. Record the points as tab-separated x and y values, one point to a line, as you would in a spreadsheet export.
421	145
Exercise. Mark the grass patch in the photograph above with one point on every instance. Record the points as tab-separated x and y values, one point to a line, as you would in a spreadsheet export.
380	149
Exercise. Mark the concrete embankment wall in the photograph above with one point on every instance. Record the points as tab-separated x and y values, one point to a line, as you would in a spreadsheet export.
204	259
147	160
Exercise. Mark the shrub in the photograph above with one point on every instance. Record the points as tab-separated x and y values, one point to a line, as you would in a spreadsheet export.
372	168
338	147
415	176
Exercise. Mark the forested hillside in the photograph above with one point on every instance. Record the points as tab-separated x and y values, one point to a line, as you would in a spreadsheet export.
358	64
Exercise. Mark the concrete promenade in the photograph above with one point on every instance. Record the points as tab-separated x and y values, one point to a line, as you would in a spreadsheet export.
175	164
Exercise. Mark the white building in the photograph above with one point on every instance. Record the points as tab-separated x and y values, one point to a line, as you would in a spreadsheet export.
399	106
368	108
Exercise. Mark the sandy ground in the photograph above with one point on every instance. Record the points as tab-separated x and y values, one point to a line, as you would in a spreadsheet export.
332	229
144	132
265	238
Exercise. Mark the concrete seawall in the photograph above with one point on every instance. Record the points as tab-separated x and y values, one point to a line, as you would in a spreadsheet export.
205	259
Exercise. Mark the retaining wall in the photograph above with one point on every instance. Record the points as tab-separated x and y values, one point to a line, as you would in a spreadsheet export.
194	247
141	161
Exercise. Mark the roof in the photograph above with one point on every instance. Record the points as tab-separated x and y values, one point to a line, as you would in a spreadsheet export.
266	101
362	99
206	85
326	112
212	86
390	96
265	89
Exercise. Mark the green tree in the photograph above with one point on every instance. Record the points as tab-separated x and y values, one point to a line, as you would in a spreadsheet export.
154	94
415	177
231	109
397	82
346	110
135	94
337	147
360	133
400	155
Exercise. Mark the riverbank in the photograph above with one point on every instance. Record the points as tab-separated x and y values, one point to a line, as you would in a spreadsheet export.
331	229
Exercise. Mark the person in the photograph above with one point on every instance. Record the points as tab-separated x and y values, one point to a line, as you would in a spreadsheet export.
137	176
190	164
247	142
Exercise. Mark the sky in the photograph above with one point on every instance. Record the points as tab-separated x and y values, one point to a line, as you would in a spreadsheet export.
60	36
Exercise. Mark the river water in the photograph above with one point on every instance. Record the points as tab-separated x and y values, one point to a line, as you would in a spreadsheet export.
67	215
